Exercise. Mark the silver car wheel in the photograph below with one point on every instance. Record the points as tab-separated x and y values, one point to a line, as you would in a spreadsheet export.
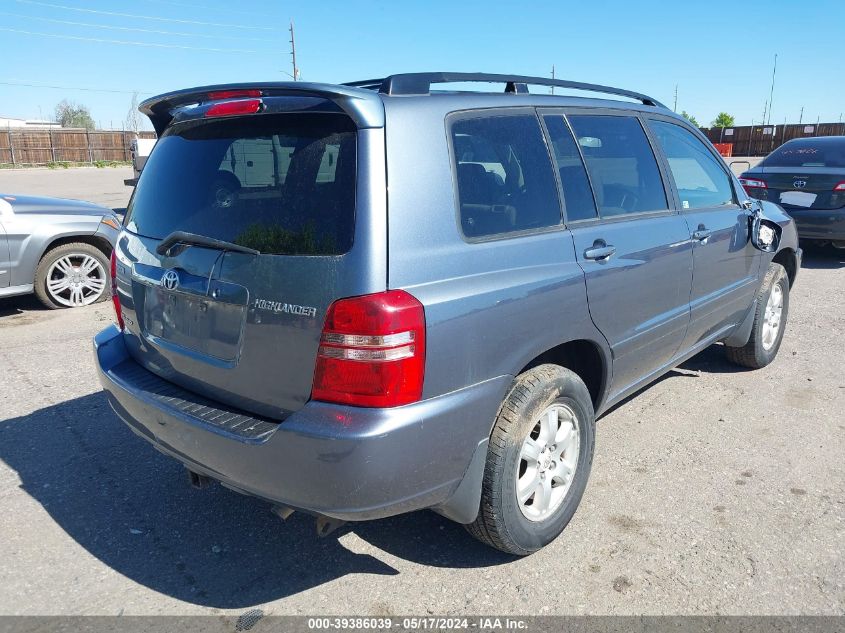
76	280
772	317
547	462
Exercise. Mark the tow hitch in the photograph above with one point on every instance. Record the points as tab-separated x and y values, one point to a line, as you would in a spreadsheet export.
327	525
198	481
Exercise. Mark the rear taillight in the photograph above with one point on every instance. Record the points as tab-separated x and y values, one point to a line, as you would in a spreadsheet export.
753	183
232	108
372	351
840	186
115	298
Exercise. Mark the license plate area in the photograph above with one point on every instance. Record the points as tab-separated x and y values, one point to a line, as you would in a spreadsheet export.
199	314
798	198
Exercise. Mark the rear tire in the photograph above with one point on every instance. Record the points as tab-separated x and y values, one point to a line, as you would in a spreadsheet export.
72	275
510	517
769	322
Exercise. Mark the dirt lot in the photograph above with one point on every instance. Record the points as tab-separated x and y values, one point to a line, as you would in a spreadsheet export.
715	490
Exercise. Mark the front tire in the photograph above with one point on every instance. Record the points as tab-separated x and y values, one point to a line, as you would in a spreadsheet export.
71	276
538	462
769	322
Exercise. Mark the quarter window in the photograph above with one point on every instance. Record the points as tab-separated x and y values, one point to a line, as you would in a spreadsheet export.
504	175
700	180
577	196
622	166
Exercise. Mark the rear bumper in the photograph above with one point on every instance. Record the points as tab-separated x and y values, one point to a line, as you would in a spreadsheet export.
821	224
343	462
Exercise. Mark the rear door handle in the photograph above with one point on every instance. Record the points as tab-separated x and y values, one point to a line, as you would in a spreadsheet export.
599	250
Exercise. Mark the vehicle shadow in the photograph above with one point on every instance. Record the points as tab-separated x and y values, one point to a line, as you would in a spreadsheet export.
12	306
822	257
711	360
132	508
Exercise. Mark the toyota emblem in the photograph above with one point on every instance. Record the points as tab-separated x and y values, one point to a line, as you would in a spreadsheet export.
170	280
799	184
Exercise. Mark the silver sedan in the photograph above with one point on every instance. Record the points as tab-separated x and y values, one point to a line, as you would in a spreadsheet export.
59	249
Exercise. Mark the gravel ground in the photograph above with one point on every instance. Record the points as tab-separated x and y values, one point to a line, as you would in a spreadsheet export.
714	491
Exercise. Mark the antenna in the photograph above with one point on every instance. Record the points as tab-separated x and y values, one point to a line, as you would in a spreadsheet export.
293	52
772	91
552	91
675	107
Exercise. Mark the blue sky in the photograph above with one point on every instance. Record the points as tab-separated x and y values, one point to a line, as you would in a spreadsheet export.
719	53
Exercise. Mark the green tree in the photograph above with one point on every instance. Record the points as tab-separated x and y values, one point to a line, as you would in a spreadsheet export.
723	119
71	114
690	118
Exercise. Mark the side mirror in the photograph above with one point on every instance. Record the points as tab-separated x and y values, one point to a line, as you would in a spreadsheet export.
765	233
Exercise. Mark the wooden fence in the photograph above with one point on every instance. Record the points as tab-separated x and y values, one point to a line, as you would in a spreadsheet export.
760	140
38	147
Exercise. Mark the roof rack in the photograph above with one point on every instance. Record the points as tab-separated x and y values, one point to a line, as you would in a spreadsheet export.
420	84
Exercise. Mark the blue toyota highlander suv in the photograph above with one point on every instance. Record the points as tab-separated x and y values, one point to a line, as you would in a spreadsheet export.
366	299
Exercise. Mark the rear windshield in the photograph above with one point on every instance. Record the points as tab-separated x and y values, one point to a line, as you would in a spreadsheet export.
281	184
808	154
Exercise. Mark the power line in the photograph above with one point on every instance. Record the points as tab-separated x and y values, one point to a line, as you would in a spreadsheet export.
144	17
128	43
207	8
139	30
29	85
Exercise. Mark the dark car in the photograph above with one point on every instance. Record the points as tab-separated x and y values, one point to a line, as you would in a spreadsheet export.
363	300
807	178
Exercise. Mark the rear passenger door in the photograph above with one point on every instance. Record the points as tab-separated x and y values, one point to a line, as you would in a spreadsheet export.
632	245
725	263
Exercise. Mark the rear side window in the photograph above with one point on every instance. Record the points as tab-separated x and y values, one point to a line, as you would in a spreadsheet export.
504	175
699	178
808	153
282	184
577	196
622	166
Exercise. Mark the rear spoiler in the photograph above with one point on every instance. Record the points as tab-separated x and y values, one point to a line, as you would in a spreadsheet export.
363	106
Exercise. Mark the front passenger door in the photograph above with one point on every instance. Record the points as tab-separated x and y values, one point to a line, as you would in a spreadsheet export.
725	262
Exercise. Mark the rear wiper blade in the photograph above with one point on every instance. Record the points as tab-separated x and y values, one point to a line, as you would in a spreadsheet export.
181	237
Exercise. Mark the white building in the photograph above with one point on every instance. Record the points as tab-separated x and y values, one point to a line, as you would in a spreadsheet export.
8	122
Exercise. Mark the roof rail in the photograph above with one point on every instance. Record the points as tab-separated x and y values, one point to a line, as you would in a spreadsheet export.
420	84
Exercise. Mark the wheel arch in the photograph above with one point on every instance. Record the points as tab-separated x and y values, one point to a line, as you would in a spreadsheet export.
588	359
787	258
97	241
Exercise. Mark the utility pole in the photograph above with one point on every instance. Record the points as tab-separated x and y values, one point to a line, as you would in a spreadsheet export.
675	107
293	52
772	91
